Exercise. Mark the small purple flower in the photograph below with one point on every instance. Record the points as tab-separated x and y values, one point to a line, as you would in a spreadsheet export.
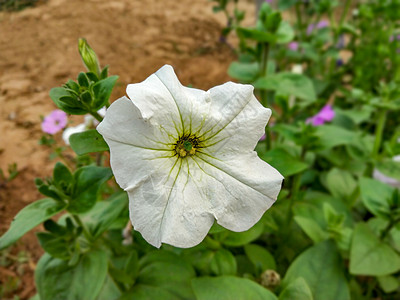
294	46
341	42
263	138
326	114
54	122
339	62
394	37
319	25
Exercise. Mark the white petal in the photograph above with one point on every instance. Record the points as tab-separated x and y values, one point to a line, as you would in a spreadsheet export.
124	123
173	210
244	187
237	120
135	145
159	101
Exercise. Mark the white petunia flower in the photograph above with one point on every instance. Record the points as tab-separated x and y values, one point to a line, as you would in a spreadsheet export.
186	157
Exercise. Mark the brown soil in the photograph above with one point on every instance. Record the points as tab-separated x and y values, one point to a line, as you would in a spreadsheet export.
38	51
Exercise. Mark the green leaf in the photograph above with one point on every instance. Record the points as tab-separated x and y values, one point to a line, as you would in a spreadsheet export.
62	175
331	136
229	288
88	180
318	200
104	213
56	279
87	142
132	265
298	289
284	162
283	5
340	183
256	35
358	115
144	292
389	284
86	98
321	267
104	73
56	246
285	33
376	196
245	266
75	109
237	239
244	72
72	85
200	259
166	270
370	256
109	291
29	217
102	91
288	84
216	228
260	257
223	263
312	229
83	80
389	168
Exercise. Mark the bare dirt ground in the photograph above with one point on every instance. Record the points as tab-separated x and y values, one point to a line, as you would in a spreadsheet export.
38	51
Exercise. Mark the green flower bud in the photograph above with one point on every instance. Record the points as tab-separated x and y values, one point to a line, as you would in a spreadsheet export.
89	57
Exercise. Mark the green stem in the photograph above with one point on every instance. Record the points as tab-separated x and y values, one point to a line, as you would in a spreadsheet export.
333	25
62	157
85	230
264	60
344	14
267	139
294	190
299	19
96	115
380	126
264	70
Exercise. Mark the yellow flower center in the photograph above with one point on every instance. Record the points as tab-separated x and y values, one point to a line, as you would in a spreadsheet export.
186	146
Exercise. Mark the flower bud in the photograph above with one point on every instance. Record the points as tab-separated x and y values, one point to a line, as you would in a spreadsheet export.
270	279
89	57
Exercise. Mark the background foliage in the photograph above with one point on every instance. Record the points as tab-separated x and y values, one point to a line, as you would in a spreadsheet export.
334	232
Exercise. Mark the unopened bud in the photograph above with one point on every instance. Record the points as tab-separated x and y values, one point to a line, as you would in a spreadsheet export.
89	57
270	279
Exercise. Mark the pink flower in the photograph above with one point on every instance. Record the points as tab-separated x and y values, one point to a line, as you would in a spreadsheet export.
394	37
54	122
294	46
319	25
326	114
